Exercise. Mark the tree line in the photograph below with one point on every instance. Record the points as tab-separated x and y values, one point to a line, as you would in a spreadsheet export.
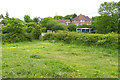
16	30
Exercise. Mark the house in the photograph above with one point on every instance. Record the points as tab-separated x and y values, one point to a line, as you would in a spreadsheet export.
66	22
84	29
82	19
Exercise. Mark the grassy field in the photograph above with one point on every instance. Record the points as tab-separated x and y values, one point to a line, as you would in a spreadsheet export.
43	59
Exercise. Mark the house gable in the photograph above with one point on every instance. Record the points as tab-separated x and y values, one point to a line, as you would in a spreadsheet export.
82	19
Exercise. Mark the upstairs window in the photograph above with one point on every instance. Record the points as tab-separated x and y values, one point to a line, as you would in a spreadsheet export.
81	20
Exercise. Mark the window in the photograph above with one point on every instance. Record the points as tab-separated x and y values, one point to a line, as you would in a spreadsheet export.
83	20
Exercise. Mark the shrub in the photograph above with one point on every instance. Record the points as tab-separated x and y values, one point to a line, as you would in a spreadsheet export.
106	40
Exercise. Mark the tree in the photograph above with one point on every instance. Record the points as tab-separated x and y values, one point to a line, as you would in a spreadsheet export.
13	31
108	8
108	21
58	17
70	17
105	24
1	16
55	25
72	27
7	15
13	25
45	20
27	18
36	20
119	17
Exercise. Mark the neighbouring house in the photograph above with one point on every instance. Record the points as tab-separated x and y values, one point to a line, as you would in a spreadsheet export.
84	29
66	22
82	19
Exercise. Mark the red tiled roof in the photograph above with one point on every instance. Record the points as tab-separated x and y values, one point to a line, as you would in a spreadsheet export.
81	17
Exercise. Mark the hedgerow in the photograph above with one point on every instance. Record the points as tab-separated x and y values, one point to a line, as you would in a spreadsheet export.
106	40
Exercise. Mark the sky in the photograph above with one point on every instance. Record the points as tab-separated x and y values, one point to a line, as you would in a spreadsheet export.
50	8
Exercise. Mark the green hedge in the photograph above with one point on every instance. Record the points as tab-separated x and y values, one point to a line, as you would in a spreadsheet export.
106	40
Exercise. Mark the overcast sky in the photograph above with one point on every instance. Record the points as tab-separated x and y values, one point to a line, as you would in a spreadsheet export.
46	8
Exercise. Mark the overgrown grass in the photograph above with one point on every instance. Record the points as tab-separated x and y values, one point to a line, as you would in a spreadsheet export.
43	59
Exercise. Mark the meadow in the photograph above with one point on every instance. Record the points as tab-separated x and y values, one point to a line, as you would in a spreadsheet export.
43	59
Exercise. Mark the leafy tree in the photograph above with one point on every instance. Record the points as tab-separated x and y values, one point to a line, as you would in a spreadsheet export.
13	31
108	8
50	24
59	26
72	27
45	20
58	17
1	16
108	21
119	17
105	24
70	17
13	25
7	15
37	31
27	18
74	15
55	25
36	20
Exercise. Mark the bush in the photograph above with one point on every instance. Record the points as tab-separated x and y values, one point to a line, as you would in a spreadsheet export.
13	37
106	40
16	31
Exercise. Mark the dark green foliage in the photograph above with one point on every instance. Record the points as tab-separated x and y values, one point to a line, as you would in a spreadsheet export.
7	15
45	20
72	27
58	17
119	17
35	56
85	26
13	37
44	30
27	18
34	29
37	32
108	40
17	31
13	31
108	21
106	24
70	17
1	16
36	20
108	8
52	24
13	25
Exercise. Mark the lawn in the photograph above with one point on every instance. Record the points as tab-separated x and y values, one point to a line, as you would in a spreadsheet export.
43	59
